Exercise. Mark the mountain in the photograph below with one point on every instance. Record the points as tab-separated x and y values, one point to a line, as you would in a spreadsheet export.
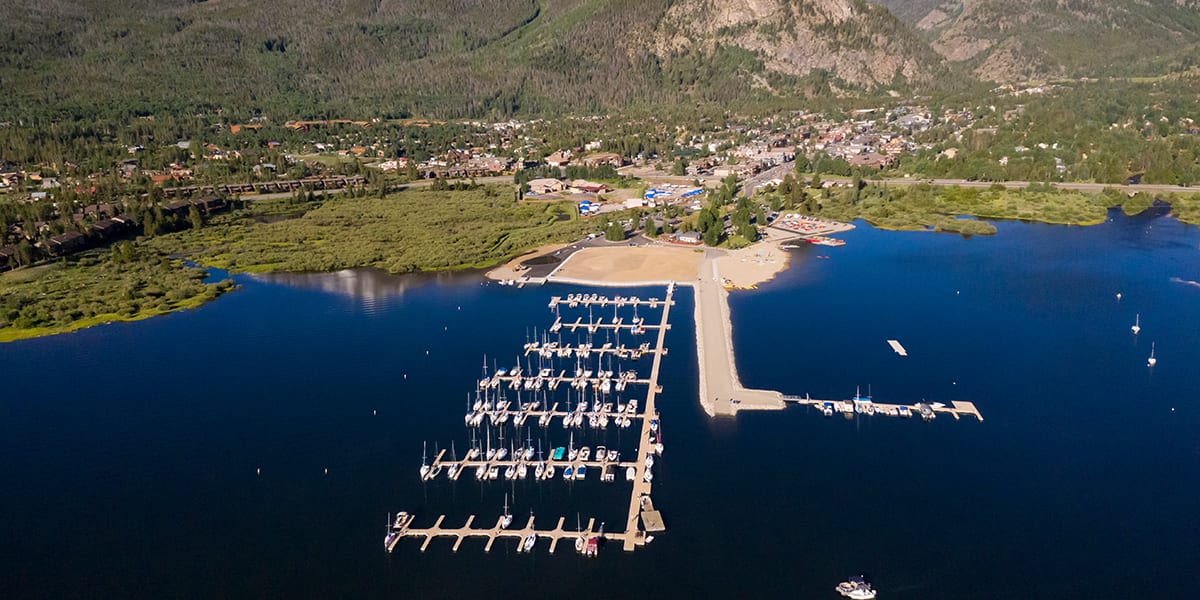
1014	40
853	41
440	57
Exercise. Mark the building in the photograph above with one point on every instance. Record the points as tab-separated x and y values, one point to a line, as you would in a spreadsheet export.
561	158
589	186
107	229
688	237
8	258
66	243
603	158
872	160
546	186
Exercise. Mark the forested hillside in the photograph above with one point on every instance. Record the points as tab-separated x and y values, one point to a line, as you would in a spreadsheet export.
429	57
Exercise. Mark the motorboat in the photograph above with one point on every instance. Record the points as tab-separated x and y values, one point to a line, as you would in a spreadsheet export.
397	526
856	588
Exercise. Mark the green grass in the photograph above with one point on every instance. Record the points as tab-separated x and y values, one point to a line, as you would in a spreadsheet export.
96	288
416	230
924	207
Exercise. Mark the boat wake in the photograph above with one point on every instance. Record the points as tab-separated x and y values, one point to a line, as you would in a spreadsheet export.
1185	281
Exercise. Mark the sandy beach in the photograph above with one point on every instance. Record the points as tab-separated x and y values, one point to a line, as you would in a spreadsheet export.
631	265
721	391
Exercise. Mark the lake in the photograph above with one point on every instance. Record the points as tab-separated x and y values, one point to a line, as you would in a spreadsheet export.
255	446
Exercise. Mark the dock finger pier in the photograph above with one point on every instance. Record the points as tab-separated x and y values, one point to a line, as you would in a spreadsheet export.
585	374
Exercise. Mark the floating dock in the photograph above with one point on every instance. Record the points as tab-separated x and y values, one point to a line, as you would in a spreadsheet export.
496	532
868	407
897	347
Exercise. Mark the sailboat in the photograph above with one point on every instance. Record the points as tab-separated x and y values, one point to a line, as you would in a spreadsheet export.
453	469
1150	362
424	466
506	520
581	540
1137	324
436	469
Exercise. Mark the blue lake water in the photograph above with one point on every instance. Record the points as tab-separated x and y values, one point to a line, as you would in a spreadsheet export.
129	453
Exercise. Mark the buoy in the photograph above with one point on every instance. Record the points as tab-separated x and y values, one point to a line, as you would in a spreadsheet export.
326	470
957	292
426	353
406	375
374	412
1118	296
258	471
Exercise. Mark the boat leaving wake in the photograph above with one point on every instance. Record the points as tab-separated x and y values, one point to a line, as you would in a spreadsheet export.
1185	281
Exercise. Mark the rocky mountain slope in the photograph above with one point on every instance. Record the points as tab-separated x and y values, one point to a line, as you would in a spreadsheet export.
1011	40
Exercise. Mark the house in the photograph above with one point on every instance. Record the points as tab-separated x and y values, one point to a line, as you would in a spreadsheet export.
107	229
208	205
545	186
602	158
66	243
176	208
559	159
688	237
588	186
872	160
8	258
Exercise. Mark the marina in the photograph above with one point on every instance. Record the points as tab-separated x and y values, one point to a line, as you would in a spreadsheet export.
491	406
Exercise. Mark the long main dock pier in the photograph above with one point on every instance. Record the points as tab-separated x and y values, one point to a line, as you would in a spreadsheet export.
642	518
867	406
403	528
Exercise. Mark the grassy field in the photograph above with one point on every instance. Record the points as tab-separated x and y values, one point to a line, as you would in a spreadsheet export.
942	209
128	285
417	230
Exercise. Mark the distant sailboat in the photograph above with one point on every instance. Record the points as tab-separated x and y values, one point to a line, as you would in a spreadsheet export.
1150	362
1137	324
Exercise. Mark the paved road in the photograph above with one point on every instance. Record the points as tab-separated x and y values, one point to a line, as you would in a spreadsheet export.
395	188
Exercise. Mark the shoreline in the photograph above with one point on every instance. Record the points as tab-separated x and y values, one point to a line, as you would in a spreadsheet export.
721	392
